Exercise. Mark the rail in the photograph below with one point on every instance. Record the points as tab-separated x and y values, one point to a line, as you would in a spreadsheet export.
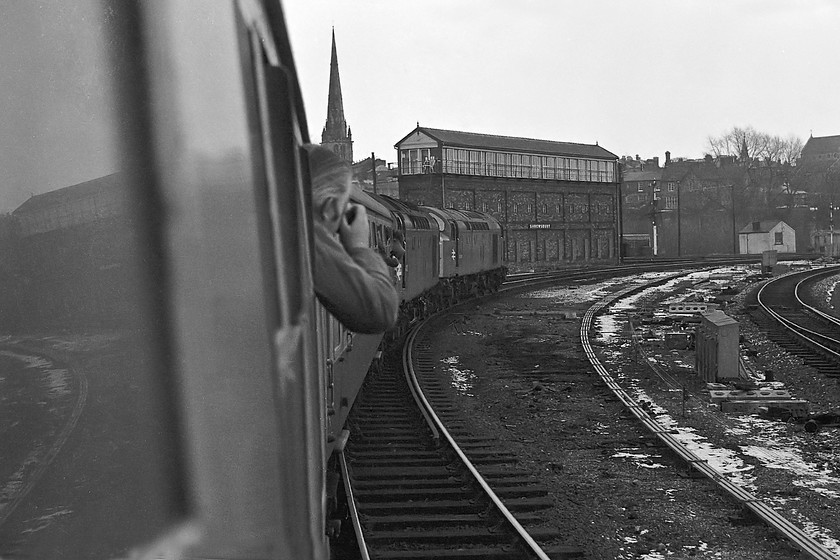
440	430
798	330
793	533
351	505
811	308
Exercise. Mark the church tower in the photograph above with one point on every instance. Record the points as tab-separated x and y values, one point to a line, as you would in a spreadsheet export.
336	135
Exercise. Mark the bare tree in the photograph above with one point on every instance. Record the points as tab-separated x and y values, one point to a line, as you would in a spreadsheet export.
759	145
791	149
731	142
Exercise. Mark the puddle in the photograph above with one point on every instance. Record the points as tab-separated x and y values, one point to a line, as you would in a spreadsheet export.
463	380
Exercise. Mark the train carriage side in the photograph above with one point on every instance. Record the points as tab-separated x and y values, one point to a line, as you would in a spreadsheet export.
211	147
246	380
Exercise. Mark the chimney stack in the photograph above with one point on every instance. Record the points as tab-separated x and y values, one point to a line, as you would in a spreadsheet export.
667	158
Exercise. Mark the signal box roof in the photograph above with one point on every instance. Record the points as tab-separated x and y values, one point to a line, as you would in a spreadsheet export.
457	139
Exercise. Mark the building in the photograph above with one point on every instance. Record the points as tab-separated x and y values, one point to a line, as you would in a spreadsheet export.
336	135
76	253
376	176
629	164
818	170
687	207
767	235
821	148
641	194
558	201
694	207
72	206
826	242
704	202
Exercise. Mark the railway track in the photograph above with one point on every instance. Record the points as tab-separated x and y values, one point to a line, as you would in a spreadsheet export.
531	280
796	535
798	326
423	486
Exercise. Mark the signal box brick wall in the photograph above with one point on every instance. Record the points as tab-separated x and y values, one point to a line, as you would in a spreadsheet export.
543	221
557	201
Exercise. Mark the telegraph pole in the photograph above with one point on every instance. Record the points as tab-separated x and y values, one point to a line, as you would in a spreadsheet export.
734	231
679	223
373	170
654	205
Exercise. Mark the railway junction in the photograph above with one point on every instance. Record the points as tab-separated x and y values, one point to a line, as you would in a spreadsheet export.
570	458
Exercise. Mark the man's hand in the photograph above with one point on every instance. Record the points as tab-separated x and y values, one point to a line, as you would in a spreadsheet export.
353	230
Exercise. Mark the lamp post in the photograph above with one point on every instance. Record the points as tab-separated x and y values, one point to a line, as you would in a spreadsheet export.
654	210
620	197
679	223
373	170
734	231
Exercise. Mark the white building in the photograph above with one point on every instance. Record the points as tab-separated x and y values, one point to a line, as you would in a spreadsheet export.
768	235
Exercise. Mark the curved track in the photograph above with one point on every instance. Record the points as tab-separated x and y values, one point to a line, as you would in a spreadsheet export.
413	472
796	535
421	485
46	458
797	325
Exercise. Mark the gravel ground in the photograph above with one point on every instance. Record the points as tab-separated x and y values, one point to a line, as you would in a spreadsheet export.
520	373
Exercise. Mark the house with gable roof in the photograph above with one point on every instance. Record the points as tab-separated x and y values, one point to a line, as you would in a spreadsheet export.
766	235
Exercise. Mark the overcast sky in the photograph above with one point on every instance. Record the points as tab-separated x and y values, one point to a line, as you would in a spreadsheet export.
638	77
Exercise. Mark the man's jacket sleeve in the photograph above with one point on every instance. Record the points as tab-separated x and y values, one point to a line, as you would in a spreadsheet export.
354	285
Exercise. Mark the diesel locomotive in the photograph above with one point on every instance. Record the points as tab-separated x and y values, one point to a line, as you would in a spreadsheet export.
450	255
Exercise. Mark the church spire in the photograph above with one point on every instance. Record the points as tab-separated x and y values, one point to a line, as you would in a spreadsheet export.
336	134
745	153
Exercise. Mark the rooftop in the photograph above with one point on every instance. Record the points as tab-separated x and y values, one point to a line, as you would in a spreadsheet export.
511	143
64	195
